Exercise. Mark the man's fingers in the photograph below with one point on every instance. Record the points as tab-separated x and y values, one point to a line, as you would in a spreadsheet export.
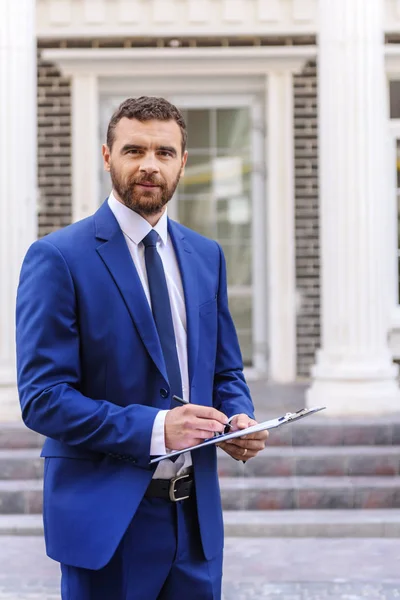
255	445
208	425
204	412
260	435
236	452
242	422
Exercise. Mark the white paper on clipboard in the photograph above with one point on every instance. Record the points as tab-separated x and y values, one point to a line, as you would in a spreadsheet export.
271	424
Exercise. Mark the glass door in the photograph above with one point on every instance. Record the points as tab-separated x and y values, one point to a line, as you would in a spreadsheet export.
221	197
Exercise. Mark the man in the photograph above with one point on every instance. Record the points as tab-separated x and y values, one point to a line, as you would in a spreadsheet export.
115	315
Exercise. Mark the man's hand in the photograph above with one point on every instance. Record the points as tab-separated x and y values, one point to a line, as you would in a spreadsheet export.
191	424
247	446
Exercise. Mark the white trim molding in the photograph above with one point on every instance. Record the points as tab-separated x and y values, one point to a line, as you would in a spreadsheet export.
174	18
151	62
58	19
270	68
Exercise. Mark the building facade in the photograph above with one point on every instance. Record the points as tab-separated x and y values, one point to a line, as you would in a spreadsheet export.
293	112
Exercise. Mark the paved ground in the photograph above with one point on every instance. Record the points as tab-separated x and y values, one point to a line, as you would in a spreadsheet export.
274	569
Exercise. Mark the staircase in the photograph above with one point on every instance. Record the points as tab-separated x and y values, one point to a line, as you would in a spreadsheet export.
318	477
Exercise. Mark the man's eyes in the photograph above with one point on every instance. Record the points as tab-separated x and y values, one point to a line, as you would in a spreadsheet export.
163	153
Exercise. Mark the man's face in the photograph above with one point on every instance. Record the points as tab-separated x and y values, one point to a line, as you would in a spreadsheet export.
145	163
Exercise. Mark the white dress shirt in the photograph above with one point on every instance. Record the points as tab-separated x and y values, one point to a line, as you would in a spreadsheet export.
135	228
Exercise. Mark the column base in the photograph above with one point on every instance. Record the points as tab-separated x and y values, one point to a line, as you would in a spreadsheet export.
10	409
355	397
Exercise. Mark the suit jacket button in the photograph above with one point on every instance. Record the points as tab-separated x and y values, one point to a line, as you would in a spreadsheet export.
164	393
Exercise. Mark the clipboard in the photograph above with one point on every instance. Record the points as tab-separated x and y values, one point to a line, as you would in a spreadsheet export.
224	437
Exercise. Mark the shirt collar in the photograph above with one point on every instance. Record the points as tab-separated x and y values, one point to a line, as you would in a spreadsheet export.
134	225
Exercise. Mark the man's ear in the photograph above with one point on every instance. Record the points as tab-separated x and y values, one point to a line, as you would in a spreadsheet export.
106	157
184	161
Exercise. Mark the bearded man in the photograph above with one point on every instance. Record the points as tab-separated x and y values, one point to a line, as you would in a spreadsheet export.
116	314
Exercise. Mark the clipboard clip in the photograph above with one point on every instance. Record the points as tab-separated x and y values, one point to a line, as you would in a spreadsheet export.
299	414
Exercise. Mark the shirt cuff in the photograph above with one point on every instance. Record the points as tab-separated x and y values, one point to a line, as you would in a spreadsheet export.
157	444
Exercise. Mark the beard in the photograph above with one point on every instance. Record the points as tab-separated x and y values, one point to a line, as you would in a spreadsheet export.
141	201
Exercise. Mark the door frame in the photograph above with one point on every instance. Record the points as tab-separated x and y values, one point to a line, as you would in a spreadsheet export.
268	69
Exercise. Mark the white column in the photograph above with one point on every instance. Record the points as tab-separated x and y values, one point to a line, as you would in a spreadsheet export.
18	195
354	371
280	226
86	152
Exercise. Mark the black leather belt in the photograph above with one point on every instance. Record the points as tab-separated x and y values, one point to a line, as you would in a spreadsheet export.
175	489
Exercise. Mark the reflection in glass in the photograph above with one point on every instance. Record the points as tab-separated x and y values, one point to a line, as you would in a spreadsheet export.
240	306
233	128
215	199
198	214
394	91
398	164
398	211
239	258
198	126
246	346
198	175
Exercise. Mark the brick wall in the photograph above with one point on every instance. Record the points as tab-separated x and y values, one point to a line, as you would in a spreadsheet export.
54	148
306	218
54	155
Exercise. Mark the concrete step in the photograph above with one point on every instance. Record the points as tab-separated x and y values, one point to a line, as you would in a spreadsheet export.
322	430
258	523
252	493
23	496
21	464
282	493
274	462
378	523
313	461
313	431
16	435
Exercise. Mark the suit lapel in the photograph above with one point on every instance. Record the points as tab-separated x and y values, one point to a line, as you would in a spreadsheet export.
115	254
188	269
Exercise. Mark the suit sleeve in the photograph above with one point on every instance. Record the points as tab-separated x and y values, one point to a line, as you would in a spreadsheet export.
48	367
231	393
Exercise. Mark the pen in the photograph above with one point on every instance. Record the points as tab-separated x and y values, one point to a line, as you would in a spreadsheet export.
228	426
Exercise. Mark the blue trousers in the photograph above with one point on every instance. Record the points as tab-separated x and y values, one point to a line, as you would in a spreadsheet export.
159	558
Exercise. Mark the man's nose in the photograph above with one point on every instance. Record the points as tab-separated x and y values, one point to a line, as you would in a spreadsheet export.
149	165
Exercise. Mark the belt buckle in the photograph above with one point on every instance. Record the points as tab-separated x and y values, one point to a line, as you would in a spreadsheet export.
172	490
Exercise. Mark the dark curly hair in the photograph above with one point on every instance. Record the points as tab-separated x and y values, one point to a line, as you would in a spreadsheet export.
144	109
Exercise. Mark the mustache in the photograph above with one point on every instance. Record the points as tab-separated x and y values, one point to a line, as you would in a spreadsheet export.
148	181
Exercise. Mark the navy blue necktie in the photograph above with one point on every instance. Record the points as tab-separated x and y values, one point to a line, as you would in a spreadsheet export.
162	314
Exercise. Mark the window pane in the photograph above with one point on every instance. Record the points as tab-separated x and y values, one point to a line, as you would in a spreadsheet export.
394	99
234	219
398	209
231	175
198	176
246	346
198	214
198	126
239	261
233	128
398	164
240	307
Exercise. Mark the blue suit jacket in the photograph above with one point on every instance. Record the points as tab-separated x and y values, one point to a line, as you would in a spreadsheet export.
92	378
